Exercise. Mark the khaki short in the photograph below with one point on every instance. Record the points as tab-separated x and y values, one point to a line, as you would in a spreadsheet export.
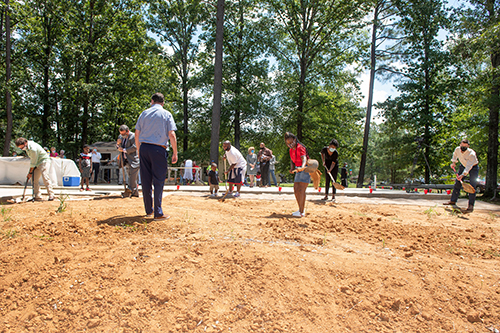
214	187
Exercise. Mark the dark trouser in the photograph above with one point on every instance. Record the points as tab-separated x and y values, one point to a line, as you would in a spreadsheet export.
95	170
133	173
153	166
264	171
473	174
334	173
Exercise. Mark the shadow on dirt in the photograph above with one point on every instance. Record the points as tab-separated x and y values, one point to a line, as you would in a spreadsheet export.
457	212
279	216
321	202
109	197
123	220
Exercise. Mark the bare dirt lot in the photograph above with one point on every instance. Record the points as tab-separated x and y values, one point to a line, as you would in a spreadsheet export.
247	266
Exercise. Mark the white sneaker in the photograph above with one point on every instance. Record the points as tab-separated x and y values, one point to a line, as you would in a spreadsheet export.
297	214
212	195
236	194
216	194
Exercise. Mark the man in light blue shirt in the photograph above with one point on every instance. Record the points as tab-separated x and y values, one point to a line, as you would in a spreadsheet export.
153	130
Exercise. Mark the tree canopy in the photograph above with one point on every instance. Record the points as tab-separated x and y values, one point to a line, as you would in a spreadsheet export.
74	71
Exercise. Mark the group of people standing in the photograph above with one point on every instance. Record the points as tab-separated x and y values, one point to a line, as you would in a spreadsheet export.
261	164
146	152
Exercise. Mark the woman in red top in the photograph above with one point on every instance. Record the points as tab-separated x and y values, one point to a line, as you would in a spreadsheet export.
299	156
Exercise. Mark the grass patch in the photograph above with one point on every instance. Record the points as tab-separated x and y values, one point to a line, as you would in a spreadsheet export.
44	237
63	205
9	234
431	212
492	253
5	212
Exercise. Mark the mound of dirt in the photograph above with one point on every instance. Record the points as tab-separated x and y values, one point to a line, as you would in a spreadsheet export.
247	266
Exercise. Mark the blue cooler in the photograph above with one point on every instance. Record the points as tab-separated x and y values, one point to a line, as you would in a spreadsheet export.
71	181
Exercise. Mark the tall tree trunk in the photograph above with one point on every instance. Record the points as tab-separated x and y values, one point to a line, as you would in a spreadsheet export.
494	108
88	69
219	39
429	117
185	101
46	106
238	98
46	80
58	120
301	97
373	64
427	132
8	97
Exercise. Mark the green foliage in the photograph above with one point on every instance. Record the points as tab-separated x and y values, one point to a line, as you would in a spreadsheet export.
9	234
476	51
313	42
423	106
177	23
5	212
63	205
82	69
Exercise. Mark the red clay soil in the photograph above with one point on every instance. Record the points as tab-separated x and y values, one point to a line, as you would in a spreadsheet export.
247	266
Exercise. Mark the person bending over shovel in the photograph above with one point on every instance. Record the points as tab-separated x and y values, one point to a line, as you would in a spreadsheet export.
237	167
329	156
303	167
130	159
468	167
39	166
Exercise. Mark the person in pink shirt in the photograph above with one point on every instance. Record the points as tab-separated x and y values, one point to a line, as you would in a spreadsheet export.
53	152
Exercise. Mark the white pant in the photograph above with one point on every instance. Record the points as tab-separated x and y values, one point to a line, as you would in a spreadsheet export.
42	170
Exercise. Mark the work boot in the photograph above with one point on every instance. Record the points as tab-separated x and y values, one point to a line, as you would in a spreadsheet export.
469	210
450	203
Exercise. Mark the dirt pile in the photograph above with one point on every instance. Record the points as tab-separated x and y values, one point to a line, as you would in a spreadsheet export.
247	265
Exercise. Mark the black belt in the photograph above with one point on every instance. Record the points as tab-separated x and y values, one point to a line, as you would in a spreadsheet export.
154	144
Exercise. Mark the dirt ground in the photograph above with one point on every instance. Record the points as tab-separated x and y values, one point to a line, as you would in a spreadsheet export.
247	266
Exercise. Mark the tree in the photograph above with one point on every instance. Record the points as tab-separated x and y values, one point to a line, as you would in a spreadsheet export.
214	143
383	32
478	46
314	40
40	33
8	72
421	108
177	23
246	85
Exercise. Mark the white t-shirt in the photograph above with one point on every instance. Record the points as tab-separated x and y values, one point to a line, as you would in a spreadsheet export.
234	157
96	158
468	158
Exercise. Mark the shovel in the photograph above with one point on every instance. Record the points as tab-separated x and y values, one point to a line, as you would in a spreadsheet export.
466	186
127	192
225	176
23	199
335	184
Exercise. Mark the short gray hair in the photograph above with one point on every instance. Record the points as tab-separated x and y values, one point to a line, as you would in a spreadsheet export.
123	128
